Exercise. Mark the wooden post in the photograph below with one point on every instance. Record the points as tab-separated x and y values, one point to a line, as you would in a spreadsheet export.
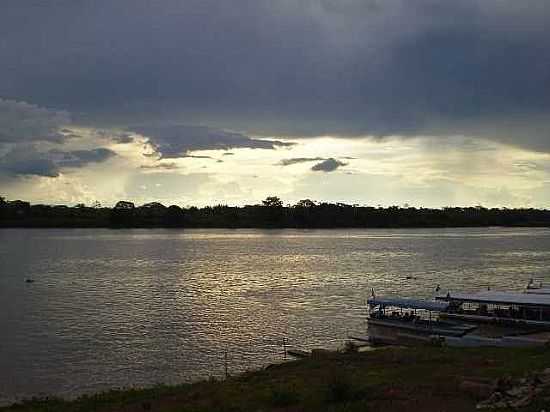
225	364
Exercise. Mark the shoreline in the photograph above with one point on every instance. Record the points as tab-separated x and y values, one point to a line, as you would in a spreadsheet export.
391	379
274	228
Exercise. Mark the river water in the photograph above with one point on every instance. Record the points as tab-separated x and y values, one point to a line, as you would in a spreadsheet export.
119	308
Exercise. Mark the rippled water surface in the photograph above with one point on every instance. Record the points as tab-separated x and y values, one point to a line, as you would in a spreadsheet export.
116	308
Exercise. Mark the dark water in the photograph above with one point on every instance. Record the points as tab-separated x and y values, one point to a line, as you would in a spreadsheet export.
138	307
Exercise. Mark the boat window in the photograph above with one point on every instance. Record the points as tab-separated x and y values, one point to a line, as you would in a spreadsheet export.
470	307
417	317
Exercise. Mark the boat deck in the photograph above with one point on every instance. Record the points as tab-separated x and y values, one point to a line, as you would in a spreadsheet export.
423	325
543	336
498	331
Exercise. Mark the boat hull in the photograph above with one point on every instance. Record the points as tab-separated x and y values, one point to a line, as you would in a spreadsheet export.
519	323
382	332
387	332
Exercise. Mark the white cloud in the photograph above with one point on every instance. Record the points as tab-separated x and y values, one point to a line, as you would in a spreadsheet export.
328	165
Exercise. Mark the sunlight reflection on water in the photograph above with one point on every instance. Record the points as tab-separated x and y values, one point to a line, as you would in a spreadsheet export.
114	308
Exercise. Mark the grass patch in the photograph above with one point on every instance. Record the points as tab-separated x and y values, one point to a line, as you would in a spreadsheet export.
427	379
282	397
340	389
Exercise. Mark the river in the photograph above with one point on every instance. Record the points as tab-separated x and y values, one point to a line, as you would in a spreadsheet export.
119	308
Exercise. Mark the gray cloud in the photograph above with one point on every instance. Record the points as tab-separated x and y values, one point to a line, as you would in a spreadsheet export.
80	158
31	167
122	138
175	141
28	160
328	165
294	160
312	67
24	122
197	156
117	137
162	166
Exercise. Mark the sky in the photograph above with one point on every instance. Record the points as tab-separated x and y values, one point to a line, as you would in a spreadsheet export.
197	102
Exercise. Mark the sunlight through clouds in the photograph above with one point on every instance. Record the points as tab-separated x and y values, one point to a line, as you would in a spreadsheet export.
424	171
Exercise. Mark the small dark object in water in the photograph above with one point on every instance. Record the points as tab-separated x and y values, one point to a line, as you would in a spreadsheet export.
28	280
410	277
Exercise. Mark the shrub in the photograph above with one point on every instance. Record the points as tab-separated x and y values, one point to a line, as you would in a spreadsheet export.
282	397
340	389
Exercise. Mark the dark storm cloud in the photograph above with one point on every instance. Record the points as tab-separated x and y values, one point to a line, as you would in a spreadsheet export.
80	158
39	166
115	136
313	67
122	138
24	122
175	141
329	165
28	160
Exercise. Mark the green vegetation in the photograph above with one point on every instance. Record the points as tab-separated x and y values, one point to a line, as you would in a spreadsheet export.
271	213
393	379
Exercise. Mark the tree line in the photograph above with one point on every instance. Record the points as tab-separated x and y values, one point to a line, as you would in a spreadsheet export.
270	213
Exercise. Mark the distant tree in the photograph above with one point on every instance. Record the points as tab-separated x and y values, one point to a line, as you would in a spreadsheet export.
302	212
272	211
80	206
272	201
305	203
122	214
153	205
151	214
124	205
174	216
19	208
96	205
3	205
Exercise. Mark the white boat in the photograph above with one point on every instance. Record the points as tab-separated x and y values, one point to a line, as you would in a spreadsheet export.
537	288
409	321
490	318
503	308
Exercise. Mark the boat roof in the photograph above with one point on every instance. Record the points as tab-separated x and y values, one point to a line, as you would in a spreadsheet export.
408	303
496	297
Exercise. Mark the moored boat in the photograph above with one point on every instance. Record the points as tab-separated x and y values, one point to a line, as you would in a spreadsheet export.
503	308
409	321
491	318
537	288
